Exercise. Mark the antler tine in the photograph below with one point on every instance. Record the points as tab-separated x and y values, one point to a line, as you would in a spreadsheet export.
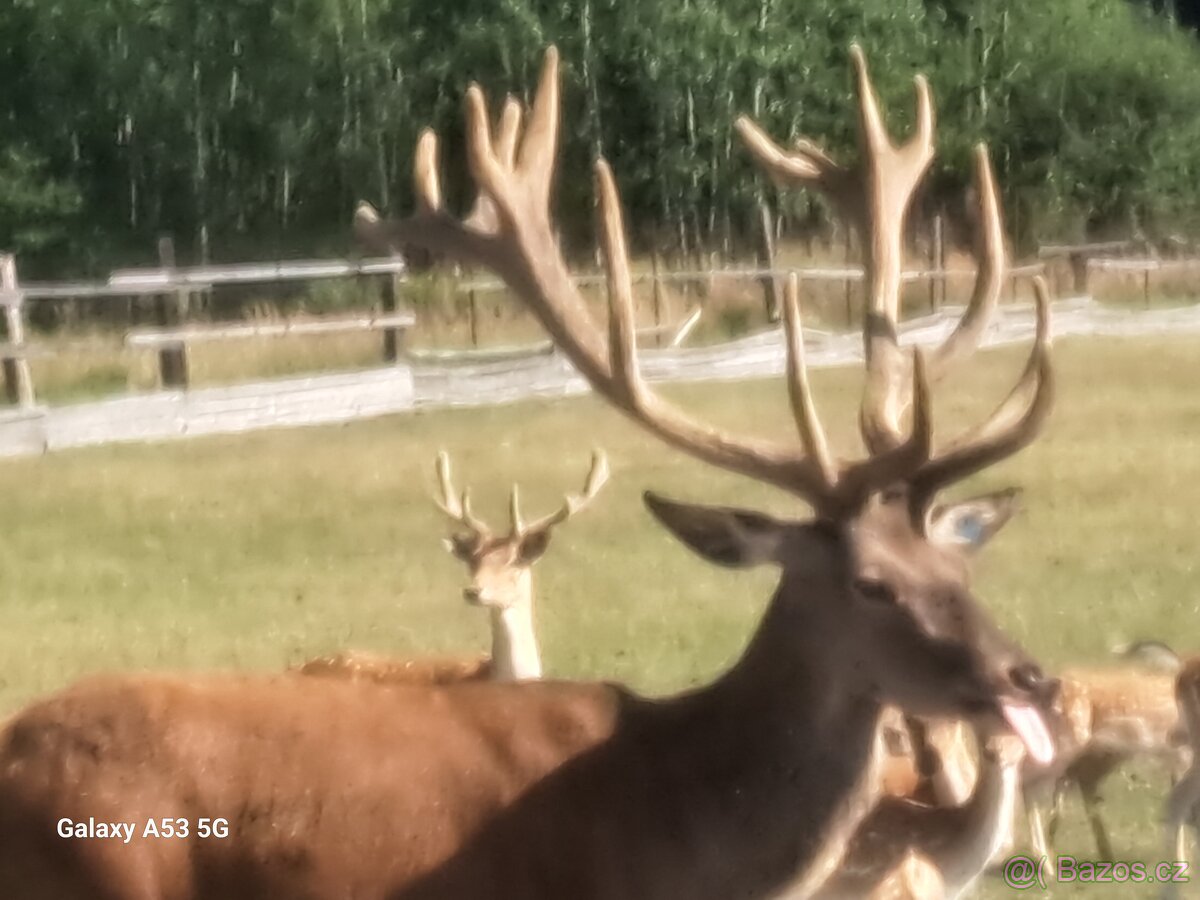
539	148
456	507
897	464
514	512
483	215
783	467
991	265
882	412
917	152
425	176
1013	425
812	435
572	503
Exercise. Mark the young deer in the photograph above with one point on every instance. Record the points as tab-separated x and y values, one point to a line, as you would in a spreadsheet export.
501	569
1183	803
1106	717
931	761
913	878
748	787
958	841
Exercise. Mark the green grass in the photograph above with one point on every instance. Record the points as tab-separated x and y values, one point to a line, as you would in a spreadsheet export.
257	551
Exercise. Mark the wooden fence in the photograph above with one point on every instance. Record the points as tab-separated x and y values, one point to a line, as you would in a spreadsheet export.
422	378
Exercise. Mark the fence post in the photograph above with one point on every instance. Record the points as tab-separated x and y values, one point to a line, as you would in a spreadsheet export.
1079	272
172	358
18	382
767	256
1146	287
391	336
656	293
850	281
473	316
937	281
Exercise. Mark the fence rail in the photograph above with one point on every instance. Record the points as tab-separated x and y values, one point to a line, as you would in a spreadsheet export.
1144	265
811	273
314	400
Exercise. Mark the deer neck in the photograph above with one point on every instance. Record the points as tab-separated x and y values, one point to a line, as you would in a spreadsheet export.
805	735
515	655
985	826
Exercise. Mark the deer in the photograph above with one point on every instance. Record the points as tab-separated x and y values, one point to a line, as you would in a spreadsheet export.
913	878
501	570
930	761
958	842
1183	802
1106	717
748	786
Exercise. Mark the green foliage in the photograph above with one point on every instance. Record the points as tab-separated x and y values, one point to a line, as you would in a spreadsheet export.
252	126
36	210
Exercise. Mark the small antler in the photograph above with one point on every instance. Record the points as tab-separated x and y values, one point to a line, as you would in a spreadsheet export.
572	503
456	506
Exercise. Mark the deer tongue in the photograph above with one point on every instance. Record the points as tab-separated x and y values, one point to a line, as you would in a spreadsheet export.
1027	723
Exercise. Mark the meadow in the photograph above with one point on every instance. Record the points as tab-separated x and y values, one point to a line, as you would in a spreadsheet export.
259	551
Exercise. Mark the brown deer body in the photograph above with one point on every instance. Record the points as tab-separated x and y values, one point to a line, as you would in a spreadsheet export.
501	569
747	788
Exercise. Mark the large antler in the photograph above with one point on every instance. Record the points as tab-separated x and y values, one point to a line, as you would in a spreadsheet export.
874	198
513	236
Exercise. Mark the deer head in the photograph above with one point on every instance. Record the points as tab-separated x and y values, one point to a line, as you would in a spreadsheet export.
875	585
499	564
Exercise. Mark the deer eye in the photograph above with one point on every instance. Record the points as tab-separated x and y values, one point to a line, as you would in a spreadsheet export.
875	591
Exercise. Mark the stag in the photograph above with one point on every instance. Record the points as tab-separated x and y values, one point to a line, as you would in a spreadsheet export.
748	787
501	569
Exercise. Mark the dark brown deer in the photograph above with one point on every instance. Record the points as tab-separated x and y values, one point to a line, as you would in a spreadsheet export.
501	569
748	787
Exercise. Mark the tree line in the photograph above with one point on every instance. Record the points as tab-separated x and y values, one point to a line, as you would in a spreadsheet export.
251	127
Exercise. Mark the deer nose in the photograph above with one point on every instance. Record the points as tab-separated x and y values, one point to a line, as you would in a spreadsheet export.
1030	677
471	594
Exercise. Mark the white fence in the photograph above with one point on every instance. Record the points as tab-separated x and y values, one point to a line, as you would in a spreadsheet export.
334	398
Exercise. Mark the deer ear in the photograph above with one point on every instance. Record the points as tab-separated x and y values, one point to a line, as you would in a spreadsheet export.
460	546
532	546
971	523
728	537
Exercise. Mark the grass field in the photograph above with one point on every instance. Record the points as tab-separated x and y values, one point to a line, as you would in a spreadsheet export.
257	551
